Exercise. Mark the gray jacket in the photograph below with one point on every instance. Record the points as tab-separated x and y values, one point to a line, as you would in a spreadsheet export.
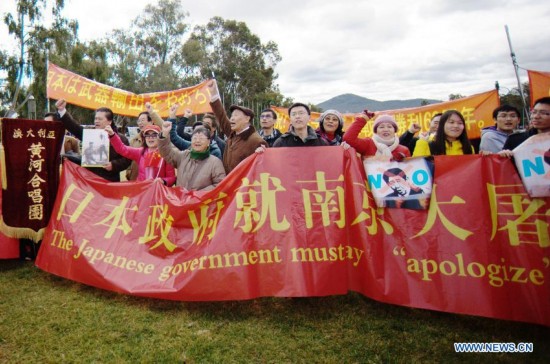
492	140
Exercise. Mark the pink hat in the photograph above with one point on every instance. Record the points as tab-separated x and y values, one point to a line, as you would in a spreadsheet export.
385	119
154	128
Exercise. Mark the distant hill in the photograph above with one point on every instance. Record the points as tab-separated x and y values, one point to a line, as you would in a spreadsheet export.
350	103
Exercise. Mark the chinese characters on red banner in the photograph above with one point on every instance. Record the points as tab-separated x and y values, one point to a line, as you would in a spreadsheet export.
306	229
35	145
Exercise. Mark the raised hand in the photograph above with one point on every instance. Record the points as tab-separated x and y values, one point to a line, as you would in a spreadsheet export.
414	128
368	114
61	104
148	107
173	110
212	86
166	127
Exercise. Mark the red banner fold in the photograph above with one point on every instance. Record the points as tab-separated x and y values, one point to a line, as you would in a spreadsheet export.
300	222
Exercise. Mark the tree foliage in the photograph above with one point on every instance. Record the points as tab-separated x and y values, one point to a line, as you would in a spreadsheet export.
456	97
31	35
146	56
155	53
243	66
58	41
513	97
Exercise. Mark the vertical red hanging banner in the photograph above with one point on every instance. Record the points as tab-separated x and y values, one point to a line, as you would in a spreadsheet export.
30	167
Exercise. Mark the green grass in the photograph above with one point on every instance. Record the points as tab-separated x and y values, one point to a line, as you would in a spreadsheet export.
44	318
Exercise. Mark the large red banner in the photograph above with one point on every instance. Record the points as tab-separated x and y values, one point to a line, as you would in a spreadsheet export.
305	227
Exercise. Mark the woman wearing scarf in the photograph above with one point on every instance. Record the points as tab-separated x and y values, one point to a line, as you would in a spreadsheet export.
150	163
384	144
197	169
330	128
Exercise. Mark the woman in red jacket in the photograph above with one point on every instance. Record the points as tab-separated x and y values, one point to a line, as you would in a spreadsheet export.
384	143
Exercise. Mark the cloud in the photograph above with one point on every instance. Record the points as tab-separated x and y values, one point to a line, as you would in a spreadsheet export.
444	7
381	50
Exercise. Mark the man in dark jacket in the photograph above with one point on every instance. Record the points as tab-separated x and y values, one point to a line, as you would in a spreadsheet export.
103	117
268	131
242	138
540	123
300	133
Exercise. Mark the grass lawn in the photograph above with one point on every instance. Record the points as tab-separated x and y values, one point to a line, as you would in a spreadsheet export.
44	318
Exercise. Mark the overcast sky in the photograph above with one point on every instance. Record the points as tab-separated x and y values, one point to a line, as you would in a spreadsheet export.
381	50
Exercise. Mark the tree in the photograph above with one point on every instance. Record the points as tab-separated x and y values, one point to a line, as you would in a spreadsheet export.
58	41
55	43
9	64
244	67
28	17
456	97
146	57
149	56
513	97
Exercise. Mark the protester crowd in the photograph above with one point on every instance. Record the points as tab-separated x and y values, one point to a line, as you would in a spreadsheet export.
196	151
199	156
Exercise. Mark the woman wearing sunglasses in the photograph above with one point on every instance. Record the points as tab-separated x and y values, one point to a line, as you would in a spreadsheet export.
150	163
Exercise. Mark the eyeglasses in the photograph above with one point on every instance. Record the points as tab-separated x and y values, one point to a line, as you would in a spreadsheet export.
151	136
298	113
267	116
542	113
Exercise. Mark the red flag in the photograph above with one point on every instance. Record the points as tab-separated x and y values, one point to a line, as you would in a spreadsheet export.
31	165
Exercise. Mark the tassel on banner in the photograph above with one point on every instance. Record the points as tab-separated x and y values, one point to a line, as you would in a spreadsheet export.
21	233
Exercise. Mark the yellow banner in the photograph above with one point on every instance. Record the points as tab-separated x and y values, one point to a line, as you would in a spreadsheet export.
81	91
476	109
539	85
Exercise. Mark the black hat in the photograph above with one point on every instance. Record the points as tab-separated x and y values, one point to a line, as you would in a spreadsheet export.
245	110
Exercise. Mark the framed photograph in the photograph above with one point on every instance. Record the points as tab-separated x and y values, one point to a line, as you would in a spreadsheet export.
95	148
132	131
